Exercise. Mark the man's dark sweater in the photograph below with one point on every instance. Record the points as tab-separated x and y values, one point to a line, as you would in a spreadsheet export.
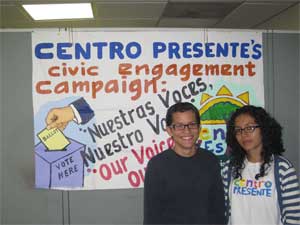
183	190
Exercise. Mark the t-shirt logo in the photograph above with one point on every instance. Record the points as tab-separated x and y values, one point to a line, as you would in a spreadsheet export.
252	187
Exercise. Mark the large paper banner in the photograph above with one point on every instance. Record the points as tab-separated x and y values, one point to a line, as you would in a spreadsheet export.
100	98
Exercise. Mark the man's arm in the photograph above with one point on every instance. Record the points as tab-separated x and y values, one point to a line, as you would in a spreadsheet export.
82	110
152	195
79	111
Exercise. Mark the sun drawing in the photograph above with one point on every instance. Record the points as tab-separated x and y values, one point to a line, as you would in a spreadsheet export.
217	109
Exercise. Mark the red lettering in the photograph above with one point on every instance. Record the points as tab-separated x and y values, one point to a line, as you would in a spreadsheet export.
149	152
105	172
52	73
39	85
124	69
134	179
92	71
139	158
64	70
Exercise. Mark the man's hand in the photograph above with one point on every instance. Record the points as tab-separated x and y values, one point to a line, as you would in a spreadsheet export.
59	117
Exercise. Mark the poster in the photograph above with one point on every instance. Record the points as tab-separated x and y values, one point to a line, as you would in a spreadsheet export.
110	90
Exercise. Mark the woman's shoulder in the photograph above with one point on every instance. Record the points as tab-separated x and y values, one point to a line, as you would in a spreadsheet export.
285	168
283	162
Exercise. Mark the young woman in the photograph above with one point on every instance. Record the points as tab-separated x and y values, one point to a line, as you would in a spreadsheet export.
261	186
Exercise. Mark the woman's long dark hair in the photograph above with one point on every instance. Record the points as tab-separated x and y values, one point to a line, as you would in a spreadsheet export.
271	132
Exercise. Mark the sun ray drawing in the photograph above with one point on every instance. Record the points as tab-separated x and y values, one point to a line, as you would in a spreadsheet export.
217	109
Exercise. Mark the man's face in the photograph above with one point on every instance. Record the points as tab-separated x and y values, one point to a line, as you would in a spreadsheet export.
184	137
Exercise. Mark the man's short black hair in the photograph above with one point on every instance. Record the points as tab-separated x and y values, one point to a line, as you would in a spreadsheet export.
181	107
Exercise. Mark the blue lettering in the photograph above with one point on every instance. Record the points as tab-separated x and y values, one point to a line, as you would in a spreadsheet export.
207	145
244	191
158	47
222	50
251	191
257	51
174	50
234	46
187	50
244	50
38	51
219	148
208	49
85	53
136	46
219	131
132	50
236	190
197	48
61	50
116	48
99	46
269	193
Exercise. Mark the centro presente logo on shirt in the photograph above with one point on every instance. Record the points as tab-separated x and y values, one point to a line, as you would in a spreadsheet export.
252	187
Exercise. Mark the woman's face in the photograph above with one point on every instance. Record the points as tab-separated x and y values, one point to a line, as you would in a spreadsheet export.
248	134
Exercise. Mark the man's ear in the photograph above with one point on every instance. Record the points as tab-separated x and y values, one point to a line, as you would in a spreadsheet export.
170	131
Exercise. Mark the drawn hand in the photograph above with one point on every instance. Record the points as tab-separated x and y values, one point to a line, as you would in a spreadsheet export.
59	117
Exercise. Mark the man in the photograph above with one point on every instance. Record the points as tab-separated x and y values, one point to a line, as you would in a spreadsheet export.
183	184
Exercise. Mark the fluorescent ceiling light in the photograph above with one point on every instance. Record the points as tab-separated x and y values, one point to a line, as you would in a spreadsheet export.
59	11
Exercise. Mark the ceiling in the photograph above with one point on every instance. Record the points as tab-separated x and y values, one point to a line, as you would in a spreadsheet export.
246	14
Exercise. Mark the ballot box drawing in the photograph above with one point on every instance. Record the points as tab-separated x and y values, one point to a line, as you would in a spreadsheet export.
59	169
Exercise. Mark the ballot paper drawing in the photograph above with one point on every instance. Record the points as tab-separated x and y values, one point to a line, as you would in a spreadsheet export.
54	139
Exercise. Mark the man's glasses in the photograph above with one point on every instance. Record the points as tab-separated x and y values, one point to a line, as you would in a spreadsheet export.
247	130
183	126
